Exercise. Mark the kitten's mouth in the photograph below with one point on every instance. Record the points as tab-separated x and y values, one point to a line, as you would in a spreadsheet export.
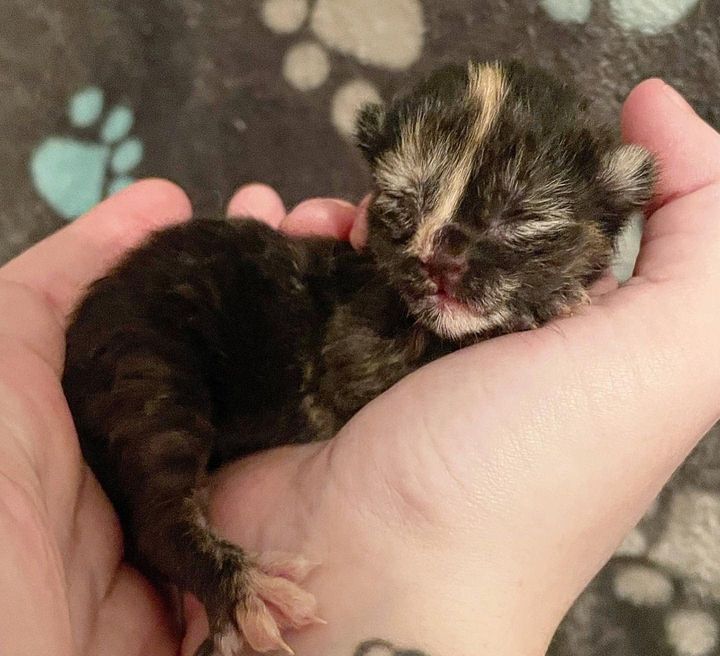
446	310
444	297
437	296
440	299
445	300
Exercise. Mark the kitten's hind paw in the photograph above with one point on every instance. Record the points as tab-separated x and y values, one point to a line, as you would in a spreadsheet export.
275	602
268	601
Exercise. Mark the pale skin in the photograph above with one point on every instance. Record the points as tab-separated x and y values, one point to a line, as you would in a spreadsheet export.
459	513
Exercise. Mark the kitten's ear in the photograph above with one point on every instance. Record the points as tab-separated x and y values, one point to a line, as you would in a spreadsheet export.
370	130
628	174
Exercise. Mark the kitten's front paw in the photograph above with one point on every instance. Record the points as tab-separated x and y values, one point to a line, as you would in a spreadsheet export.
265	600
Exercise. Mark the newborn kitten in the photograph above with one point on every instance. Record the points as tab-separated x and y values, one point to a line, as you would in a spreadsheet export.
497	201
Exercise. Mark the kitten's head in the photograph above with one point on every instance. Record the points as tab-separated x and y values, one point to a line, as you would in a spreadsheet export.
497	197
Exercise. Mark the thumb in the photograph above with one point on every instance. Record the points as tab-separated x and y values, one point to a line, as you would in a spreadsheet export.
660	119
682	238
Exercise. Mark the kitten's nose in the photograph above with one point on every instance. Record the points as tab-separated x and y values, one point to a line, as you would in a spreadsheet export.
448	262
446	271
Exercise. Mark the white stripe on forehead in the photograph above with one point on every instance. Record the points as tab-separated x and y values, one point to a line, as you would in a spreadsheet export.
420	159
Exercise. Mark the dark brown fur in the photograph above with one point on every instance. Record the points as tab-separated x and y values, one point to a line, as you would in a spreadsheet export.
497	203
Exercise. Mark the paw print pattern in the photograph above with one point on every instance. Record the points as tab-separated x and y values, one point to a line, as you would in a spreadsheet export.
688	545
74	174
386	34
676	577
692	632
645	16
646	590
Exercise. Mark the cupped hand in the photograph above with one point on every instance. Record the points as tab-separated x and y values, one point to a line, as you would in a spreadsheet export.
462	511
66	590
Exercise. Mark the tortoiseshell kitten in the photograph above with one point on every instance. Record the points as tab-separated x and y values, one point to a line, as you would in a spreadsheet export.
497	201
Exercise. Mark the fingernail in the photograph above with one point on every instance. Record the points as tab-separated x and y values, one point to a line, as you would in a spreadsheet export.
341	203
365	202
359	231
313	205
673	95
257	200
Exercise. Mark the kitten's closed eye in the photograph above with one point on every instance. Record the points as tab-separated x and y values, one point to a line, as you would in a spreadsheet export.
401	213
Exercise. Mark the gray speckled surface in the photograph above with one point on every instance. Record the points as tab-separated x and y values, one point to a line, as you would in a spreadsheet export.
223	92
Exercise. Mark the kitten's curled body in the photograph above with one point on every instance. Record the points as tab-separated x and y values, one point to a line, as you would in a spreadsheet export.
497	202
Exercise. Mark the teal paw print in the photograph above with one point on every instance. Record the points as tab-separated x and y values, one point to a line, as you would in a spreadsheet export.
73	175
631	15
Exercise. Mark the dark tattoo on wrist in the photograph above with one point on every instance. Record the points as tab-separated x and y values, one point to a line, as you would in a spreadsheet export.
377	647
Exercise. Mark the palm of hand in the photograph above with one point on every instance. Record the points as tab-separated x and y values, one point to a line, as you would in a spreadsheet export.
69	590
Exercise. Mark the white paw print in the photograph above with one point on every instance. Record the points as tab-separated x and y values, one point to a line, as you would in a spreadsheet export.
689	543
387	34
646	16
687	550
690	632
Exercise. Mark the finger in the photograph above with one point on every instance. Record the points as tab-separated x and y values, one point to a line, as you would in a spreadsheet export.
329	217
196	625
682	238
688	149
258	201
61	266
358	234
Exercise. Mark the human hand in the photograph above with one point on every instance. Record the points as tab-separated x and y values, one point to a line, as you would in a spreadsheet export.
463	510
425	509
66	590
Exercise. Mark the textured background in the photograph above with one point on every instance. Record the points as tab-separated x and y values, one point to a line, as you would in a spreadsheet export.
215	93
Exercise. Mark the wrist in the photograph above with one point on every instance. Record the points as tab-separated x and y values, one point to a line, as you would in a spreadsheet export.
420	588
411	603
431	590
